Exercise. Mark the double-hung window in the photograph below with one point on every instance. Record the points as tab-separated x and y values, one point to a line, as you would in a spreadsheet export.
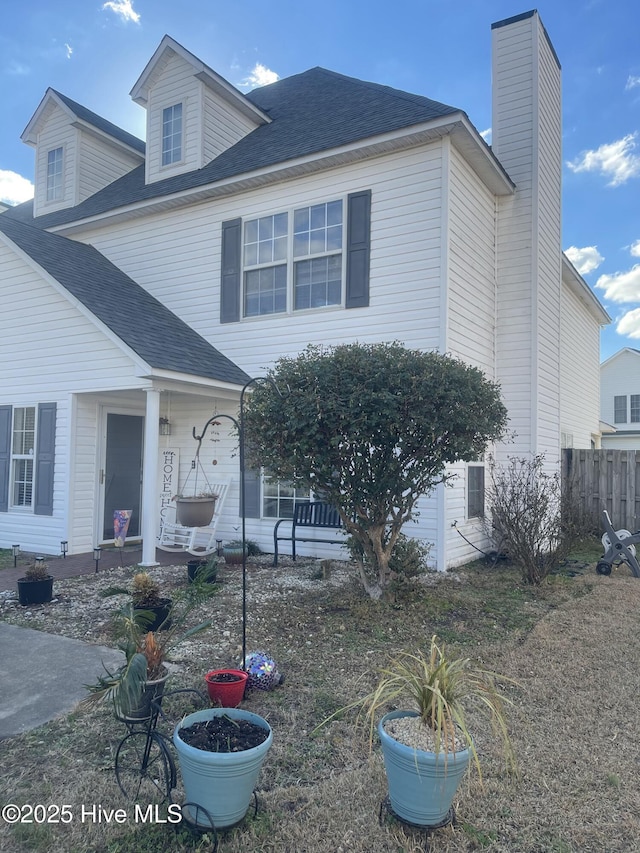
317	253
172	135
620	409
475	490
634	408
279	498
293	260
308	257
23	445
265	262
54	174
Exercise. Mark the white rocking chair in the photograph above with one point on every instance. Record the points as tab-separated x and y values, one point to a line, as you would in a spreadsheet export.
198	541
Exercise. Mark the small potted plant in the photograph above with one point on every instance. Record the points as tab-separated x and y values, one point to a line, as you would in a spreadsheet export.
221	751
146	597
140	680
201	569
428	747
36	587
226	686
232	551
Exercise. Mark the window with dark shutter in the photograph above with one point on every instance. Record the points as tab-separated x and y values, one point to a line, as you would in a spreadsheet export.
5	455
358	249
230	271
45	457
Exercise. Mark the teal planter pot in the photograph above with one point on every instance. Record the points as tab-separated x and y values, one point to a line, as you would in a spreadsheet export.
422	785
220	782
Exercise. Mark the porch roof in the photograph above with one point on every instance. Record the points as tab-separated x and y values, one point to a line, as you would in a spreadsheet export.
138	319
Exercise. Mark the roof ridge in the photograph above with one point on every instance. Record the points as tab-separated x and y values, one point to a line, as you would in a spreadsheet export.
383	87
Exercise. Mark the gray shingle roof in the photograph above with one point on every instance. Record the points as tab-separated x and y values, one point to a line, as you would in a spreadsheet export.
102	124
163	340
311	112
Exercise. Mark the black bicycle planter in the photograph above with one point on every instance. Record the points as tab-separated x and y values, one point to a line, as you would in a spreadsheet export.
147	775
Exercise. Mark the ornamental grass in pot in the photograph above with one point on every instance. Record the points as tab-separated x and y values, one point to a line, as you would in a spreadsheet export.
427	746
36	587
140	679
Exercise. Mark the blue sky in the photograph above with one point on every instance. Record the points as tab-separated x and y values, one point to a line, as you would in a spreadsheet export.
94	51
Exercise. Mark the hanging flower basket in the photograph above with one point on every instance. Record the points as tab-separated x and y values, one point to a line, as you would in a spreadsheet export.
195	511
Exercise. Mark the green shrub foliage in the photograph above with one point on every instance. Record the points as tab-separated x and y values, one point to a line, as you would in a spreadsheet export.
372	427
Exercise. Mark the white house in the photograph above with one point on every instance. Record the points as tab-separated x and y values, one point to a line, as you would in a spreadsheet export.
152	281
620	399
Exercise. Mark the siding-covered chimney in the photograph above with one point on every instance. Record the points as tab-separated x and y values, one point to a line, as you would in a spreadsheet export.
527	137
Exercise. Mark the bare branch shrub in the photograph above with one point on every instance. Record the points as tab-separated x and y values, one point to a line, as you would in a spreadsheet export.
526	516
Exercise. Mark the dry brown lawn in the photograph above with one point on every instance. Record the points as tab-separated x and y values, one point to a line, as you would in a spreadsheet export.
573	645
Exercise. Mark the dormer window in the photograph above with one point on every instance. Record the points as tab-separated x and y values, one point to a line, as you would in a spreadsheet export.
172	135
54	174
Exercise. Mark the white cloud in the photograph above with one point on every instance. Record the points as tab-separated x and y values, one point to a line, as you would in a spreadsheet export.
486	135
123	8
69	50
635	249
14	189
614	160
629	324
260	75
585	260
632	82
621	286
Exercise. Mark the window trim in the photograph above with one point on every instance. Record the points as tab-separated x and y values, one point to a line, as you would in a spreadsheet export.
470	493
23	457
291	261
54	175
358	251
616	409
164	138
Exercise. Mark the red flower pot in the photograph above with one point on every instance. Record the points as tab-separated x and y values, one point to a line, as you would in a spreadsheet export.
226	686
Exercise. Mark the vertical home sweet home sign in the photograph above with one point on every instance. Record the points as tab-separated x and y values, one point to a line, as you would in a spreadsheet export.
168	482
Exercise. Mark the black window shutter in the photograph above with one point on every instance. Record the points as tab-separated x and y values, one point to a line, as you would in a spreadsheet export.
230	270
358	249
252	480
45	456
5	456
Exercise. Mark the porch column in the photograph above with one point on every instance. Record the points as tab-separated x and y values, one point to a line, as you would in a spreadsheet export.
150	517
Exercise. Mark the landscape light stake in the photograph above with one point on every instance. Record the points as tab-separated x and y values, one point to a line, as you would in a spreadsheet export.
239	425
64	547
15	549
97	553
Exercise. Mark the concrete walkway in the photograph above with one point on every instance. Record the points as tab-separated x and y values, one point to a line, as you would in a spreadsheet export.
43	675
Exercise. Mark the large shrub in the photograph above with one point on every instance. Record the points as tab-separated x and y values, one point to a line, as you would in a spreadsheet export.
371	427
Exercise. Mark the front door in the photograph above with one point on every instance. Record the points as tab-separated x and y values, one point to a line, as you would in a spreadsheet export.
123	471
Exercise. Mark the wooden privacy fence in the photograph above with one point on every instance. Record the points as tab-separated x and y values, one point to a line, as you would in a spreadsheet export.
594	480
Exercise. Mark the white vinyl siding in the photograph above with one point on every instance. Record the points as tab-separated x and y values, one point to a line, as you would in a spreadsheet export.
56	134
100	163
405	287
579	370
472	290
223	126
526	119
619	384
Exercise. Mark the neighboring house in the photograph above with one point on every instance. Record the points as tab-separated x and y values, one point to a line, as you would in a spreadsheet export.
149	282
620	399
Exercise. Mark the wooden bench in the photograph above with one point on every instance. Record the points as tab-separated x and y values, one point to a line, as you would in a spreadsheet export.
314	515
